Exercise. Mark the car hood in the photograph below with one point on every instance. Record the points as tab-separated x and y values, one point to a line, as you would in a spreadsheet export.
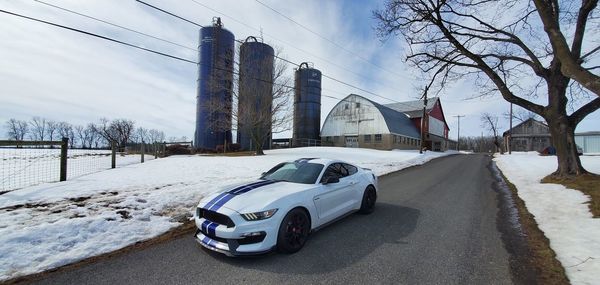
252	196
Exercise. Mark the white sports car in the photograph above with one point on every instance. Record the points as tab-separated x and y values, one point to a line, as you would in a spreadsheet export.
286	204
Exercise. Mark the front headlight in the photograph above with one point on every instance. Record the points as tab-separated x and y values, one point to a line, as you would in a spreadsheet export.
259	215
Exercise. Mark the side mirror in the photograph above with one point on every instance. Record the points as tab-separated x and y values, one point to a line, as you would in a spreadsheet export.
331	179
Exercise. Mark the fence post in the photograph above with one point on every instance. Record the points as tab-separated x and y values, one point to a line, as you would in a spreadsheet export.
113	155
63	159
143	150
155	150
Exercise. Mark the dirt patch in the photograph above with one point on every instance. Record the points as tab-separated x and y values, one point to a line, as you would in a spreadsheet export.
124	214
187	228
542	258
26	205
589	184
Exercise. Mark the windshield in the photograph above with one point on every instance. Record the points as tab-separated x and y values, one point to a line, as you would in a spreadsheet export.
297	172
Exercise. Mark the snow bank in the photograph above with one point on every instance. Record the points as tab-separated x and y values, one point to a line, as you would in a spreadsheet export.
53	224
561	213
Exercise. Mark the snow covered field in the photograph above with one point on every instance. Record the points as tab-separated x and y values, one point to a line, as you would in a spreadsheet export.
53	224
21	168
561	213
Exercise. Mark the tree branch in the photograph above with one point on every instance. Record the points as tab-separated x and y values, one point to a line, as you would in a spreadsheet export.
588	108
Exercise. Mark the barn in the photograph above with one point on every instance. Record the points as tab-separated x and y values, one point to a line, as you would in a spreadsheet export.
529	135
359	122
435	127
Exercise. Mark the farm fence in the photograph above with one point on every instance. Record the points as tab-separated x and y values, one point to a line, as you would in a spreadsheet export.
28	163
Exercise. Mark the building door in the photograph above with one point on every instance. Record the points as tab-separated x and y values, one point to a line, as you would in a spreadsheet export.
352	141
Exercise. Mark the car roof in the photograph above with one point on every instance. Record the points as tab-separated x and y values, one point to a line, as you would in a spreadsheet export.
324	161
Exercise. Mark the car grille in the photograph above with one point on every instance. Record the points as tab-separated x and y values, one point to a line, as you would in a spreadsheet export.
215	217
213	236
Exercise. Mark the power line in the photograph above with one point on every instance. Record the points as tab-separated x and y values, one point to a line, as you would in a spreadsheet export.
99	36
179	58
114	25
326	38
167	12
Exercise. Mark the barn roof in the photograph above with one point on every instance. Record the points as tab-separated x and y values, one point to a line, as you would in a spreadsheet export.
396	122
413	109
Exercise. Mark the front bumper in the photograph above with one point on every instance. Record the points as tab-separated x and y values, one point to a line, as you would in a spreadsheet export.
231	240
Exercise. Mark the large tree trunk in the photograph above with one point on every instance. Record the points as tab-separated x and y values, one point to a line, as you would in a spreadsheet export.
561	128
563	139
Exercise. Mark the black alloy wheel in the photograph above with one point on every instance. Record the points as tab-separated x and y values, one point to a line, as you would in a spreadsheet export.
293	231
368	201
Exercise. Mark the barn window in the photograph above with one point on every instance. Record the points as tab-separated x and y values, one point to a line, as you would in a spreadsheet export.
346	106
367	138
357	105
378	137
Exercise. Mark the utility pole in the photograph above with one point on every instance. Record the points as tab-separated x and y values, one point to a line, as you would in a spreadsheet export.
423	119
510	130
458	136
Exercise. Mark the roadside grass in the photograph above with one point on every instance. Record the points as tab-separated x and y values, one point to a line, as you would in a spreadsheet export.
548	269
589	184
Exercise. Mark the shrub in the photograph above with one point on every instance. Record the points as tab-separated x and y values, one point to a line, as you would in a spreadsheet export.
177	149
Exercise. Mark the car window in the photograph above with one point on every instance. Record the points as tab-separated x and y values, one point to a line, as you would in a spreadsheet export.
297	172
335	170
350	168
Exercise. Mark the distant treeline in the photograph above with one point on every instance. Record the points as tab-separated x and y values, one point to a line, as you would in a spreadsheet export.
92	135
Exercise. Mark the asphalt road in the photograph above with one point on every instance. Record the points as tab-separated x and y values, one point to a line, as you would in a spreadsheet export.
439	223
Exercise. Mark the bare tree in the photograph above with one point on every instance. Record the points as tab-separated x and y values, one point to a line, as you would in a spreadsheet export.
261	102
92	136
17	129
521	115
82	135
141	135
490	122
38	128
119	130
51	127
155	136
501	46
65	130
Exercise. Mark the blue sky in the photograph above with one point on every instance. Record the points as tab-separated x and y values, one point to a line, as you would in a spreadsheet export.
65	76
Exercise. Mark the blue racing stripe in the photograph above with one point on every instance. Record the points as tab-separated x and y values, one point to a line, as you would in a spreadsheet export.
212	228
220	196
221	202
205	225
248	188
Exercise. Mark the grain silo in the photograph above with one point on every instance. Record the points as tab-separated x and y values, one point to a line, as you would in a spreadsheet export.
307	106
255	94
215	79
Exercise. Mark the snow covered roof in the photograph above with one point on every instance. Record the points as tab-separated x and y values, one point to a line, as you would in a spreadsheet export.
413	109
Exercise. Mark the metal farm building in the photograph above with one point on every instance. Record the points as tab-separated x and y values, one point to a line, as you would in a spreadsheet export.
589	142
359	122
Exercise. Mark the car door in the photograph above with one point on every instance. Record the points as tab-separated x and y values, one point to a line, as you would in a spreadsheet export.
332	199
354	195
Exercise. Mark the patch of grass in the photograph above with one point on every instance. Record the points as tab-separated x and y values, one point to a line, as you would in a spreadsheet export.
588	184
548	269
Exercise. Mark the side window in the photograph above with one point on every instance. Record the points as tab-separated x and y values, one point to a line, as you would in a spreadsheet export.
350	168
335	170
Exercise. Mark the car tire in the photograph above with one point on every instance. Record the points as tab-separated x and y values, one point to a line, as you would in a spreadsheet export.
293	231
368	201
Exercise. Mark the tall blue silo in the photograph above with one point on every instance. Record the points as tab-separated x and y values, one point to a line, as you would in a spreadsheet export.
215	80
307	106
255	94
